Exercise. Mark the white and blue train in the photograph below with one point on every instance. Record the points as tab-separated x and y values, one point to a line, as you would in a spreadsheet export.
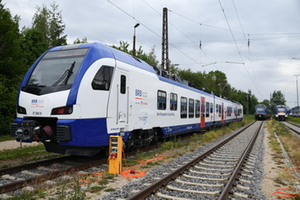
281	112
74	97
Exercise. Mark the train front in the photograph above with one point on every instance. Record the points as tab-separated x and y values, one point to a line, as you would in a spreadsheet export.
260	112
47	106
281	113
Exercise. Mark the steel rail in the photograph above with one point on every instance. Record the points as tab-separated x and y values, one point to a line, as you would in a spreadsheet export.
158	184
230	183
297	125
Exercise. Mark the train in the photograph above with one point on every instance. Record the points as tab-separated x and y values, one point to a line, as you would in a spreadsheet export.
261	112
281	112
74	97
295	111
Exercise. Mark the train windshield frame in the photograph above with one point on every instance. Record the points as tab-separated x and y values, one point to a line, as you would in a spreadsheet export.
56	71
260	108
281	109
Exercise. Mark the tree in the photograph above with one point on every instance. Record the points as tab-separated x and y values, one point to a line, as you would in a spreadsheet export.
33	45
78	41
149	58
277	98
267	103
11	66
57	27
50	23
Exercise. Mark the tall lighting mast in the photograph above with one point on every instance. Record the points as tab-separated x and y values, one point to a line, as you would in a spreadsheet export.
165	44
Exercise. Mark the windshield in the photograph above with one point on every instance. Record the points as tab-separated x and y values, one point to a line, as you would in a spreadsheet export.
281	109
260	108
56	71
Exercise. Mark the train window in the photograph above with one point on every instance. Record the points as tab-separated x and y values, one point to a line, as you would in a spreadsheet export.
123	84
207	109
183	107
102	78
220	110
173	101
211	107
229	111
217	107
56	71
161	100
191	108
197	108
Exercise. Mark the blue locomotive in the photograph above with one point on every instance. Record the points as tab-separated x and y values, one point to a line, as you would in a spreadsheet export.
261	112
74	97
281	112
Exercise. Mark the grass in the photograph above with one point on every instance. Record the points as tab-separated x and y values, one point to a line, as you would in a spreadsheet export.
22	152
6	138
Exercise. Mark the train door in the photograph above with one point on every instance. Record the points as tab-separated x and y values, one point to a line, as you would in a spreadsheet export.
122	98
202	113
222	113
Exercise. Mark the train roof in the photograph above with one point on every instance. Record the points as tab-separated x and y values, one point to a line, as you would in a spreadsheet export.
98	50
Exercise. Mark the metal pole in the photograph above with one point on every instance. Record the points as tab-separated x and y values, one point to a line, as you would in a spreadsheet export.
297	89
133	51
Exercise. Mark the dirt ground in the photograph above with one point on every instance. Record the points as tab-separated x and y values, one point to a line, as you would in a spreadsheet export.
12	144
271	171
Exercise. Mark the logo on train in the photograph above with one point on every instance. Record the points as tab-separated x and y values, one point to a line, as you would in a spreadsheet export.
141	96
35	103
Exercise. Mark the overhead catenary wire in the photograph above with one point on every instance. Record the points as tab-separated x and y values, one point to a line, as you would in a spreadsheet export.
153	32
238	50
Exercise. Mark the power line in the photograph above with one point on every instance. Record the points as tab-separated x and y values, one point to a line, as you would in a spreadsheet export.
237	46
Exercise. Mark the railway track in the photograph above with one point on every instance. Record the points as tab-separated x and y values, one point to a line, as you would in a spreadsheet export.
18	177
37	172
294	127
221	171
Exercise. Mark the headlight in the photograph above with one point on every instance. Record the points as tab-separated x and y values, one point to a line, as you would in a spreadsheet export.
66	110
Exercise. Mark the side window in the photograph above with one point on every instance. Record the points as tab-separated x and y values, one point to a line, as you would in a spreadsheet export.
191	108
211	107
217	108
183	107
103	78
173	101
207	109
123	84
229	111
161	100
197	108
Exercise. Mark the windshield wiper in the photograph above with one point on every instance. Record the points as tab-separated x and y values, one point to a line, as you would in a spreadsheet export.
65	77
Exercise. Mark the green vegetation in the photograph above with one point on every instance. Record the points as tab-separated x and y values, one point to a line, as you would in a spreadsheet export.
294	119
6	138
22	152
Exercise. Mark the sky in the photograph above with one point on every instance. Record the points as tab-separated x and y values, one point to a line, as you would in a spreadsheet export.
255	43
